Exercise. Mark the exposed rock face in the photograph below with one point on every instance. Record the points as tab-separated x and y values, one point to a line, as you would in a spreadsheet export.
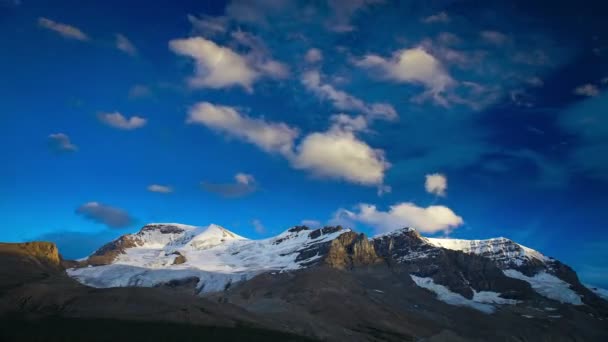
108	252
351	250
44	252
179	259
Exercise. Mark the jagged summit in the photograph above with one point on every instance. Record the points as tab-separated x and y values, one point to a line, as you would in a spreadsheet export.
502	250
395	232
474	273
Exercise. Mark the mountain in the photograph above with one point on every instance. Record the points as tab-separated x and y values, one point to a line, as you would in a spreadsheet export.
335	284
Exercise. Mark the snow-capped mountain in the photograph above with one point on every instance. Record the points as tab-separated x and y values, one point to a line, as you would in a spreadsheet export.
481	274
502	250
163	252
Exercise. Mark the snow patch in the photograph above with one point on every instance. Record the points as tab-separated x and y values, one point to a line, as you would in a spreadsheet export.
481	300
499	249
602	293
549	286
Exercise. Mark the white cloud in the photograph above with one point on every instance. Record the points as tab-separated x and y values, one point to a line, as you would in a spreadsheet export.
313	55
61	142
65	30
163	189
117	120
413	65
216	66
270	137
338	153
124	44
587	90
440	17
244	178
436	184
344	101
432	219
258	226
221	67
335	153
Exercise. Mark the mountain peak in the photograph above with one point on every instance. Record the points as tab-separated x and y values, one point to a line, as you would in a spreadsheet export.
404	230
211	236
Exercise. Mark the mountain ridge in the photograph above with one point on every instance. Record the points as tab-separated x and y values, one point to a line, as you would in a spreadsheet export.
216	258
329	283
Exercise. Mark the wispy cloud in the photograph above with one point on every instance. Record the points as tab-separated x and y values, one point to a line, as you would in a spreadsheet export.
587	90
61	142
124	44
441	17
243	185
258	226
163	189
344	101
65	30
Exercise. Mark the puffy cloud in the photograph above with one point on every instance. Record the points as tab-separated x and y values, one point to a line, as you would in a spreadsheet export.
413	65
338	153
344	101
271	137
124	44
244	184
105	214
313	55
432	219
61	142
65	30
335	153
258	226
221	67
587	90
436	184
163	189
440	17
216	66
117	120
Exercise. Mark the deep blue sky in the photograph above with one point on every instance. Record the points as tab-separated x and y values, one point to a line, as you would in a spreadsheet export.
508	103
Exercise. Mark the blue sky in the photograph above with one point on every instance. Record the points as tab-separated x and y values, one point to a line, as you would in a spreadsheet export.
463	119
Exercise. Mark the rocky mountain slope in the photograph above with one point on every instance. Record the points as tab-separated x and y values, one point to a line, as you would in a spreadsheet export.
213	258
335	284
